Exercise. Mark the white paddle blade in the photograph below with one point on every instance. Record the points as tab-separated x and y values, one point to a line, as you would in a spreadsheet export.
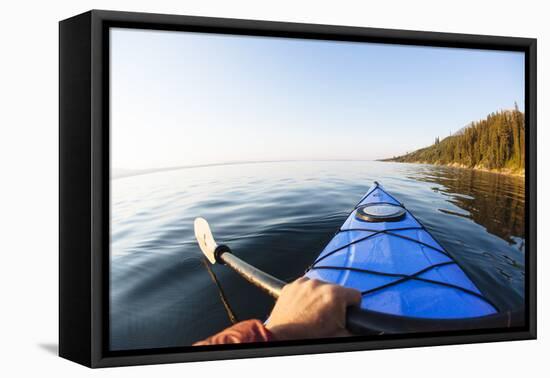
205	239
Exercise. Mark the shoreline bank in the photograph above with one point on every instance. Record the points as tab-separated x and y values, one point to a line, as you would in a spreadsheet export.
505	172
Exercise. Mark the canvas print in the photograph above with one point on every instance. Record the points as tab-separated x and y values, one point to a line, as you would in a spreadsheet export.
270	189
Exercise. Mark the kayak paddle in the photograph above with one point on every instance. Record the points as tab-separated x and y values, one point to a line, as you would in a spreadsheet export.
222	254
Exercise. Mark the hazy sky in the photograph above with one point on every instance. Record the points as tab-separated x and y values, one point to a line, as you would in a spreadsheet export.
182	98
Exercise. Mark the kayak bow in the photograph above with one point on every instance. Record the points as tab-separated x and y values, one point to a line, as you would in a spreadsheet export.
383	251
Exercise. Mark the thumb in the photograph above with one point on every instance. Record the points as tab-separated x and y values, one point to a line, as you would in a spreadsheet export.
351	297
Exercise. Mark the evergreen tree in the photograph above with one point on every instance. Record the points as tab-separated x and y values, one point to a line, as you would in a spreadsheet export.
497	142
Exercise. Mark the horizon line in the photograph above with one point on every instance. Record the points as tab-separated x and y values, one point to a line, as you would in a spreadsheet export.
137	172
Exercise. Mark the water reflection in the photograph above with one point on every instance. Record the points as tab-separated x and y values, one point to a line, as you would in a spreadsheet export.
495	201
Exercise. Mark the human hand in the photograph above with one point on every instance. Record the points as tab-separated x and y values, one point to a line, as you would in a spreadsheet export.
311	309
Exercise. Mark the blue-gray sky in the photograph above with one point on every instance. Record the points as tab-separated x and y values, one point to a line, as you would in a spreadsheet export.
182	98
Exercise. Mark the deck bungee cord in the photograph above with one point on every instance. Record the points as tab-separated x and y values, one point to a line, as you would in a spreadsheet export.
383	251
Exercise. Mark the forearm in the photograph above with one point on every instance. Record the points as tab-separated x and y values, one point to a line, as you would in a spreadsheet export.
248	331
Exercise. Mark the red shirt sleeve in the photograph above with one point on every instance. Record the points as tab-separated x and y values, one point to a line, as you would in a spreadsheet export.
248	331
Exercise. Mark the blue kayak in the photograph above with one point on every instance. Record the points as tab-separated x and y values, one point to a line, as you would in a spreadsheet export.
383	251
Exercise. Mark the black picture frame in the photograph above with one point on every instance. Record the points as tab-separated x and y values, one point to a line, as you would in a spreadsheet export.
84	185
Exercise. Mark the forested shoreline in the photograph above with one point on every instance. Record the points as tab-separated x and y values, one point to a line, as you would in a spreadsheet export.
496	144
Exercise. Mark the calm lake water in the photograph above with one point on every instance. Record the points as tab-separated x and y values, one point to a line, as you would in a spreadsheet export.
279	216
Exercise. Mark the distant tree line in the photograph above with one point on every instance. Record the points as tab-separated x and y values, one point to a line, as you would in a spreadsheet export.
495	143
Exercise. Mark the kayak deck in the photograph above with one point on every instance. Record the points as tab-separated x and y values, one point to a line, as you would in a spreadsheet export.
398	266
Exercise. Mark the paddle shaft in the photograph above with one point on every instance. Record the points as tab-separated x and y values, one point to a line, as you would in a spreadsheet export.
273	287
255	276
